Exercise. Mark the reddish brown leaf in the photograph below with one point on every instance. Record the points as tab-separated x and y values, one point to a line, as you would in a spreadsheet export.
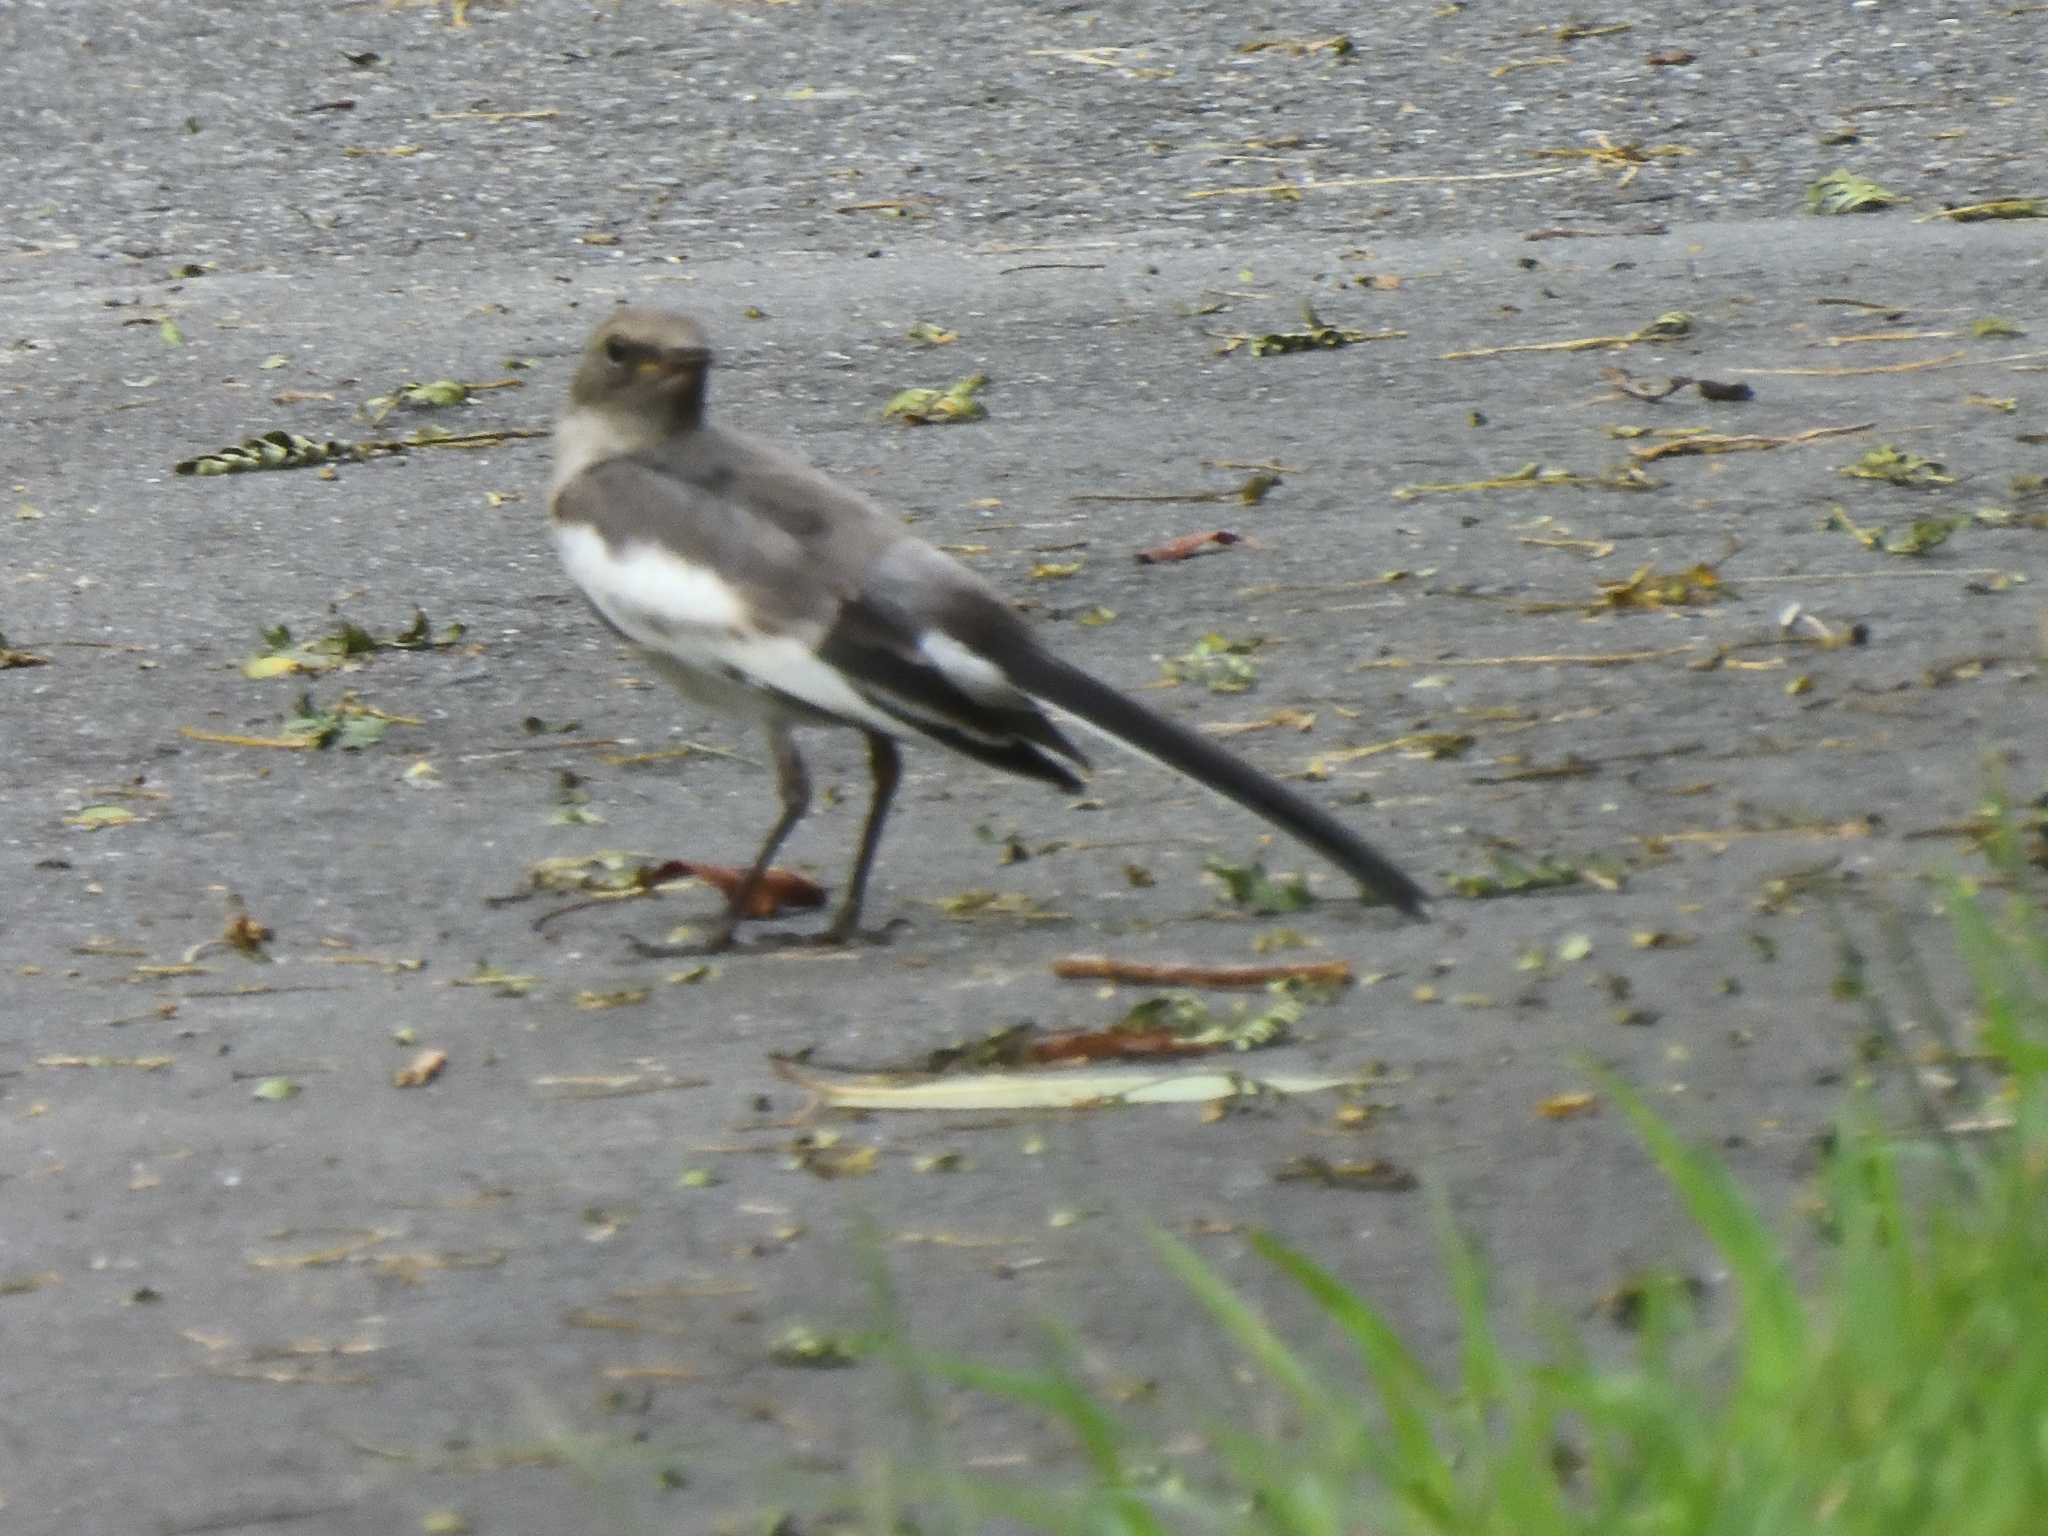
1186	546
1109	1045
421	1070
780	890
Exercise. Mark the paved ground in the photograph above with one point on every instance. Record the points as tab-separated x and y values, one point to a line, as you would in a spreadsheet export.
501	1294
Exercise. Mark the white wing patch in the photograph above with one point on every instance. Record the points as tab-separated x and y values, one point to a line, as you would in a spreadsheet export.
787	665
647	591
694	617
969	671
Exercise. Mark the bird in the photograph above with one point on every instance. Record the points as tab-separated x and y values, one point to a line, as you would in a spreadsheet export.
757	585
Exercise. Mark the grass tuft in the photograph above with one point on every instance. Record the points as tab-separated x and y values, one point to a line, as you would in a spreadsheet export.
1903	1390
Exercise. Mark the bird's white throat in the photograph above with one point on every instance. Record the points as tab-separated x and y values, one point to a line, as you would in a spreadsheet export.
590	434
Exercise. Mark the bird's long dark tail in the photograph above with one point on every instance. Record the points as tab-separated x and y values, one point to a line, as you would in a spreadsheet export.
1066	688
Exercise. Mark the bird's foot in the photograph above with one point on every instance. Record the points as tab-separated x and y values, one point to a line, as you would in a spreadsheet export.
850	934
717	942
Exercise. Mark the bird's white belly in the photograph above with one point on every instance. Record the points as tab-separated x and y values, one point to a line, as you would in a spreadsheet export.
696	630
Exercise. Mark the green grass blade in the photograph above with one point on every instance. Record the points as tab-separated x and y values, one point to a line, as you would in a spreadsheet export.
1414	1466
1774	1329
1251	1333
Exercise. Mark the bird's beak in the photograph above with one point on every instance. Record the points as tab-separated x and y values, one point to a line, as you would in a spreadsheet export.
675	362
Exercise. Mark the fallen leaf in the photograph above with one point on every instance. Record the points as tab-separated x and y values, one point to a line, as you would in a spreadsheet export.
1187	546
1063	1090
1604	154
624	997
1279	720
1895	466
1846	192
504	983
1671	323
1701	443
928	407
611	872
1250	887
139	1063
801	1345
1998	208
270	450
1918	537
779	890
1175	974
1337	46
1534	477
1513	876
831	1161
615	1085
1168	1025
421	1070
13	658
1065	1045
1646	587
1316	335
979	905
97	818
1376	1174
245	933
1217	662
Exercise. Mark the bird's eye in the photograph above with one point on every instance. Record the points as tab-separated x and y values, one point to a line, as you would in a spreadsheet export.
615	349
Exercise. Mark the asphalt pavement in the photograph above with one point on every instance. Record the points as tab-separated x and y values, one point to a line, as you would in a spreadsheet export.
1650	688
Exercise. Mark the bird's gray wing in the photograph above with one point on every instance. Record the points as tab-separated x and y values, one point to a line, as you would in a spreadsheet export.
698	578
760	566
916	640
756	571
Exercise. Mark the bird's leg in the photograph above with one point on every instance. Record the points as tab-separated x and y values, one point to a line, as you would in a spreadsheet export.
793	785
885	769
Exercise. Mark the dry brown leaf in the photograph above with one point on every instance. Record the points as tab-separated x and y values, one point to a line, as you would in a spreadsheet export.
1187	546
421	1070
1374	1173
1715	442
245	933
1565	1106
780	890
1279	720
1110	1045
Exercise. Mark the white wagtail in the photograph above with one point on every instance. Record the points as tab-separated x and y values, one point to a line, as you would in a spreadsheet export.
755	584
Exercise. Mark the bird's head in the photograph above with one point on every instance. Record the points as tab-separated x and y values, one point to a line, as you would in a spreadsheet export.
647	364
